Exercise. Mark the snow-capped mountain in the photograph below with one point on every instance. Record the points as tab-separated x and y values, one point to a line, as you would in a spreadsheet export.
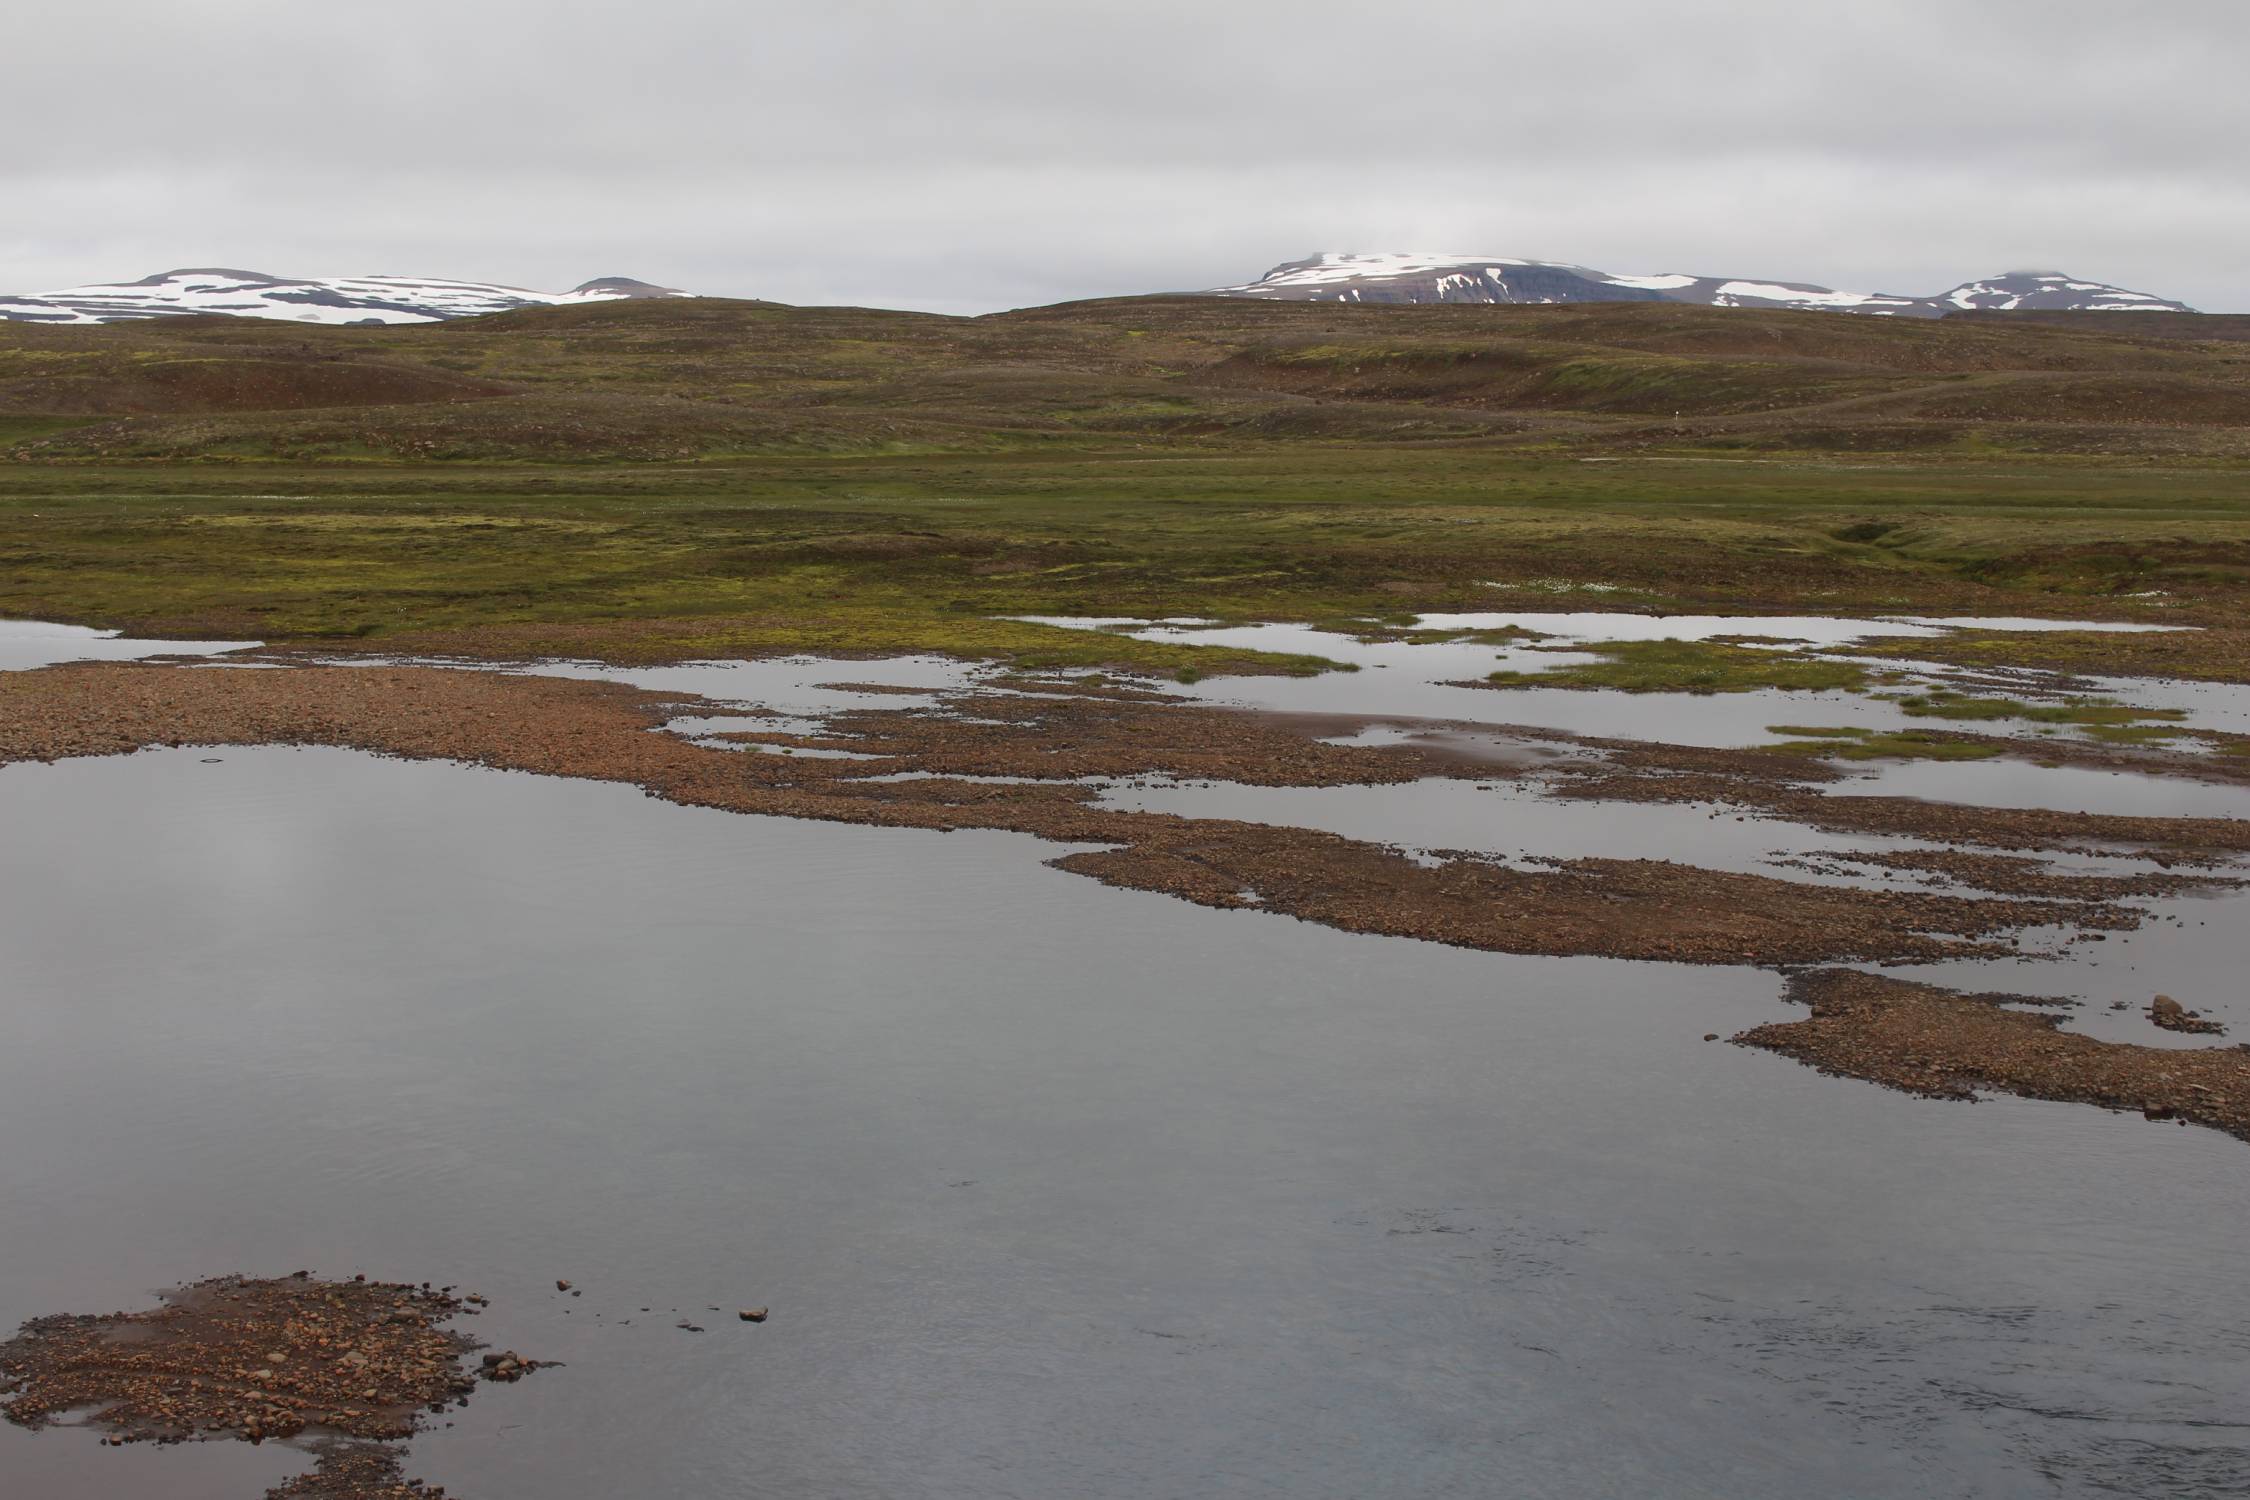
1413	277
336	299
2050	291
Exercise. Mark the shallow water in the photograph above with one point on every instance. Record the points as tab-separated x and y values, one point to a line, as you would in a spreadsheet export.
2007	782
1518	822
802	688
1436	679
1811	630
1587	626
25	644
1055	1190
2189	947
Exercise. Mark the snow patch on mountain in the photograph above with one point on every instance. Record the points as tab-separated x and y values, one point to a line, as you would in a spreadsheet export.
333	300
1653	283
2051	291
1414	276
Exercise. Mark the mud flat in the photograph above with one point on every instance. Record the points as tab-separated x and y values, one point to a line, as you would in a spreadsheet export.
1949	1045
606	731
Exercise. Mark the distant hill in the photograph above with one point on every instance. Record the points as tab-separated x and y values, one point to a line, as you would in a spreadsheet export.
335	299
664	379
1418	277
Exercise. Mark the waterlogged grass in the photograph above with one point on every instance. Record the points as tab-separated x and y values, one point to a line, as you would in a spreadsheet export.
2099	718
1694	667
1407	634
889	554
2218	650
2133	734
1870	744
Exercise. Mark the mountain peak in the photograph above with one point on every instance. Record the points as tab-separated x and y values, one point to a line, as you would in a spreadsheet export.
622	286
2050	291
220	273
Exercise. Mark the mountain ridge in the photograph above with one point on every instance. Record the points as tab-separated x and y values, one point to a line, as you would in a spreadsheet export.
1424	277
207	290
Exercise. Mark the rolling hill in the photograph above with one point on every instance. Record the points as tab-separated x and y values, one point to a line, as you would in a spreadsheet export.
708	379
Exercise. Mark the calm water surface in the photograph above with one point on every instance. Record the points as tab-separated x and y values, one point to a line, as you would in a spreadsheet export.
1055	1190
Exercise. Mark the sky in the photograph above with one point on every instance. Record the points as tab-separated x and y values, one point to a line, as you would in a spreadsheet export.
969	155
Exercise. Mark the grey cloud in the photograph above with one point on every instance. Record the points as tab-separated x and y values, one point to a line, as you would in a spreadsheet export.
963	156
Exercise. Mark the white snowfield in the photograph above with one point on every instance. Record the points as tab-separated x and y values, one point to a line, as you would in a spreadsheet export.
336	299
1430	276
1333	267
2053	288
1653	283
1740	293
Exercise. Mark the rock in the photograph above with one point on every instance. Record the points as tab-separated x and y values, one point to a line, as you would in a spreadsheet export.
1710	1036
562	1286
752	1315
2168	1013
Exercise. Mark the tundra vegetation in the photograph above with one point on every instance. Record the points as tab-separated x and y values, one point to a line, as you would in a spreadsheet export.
646	480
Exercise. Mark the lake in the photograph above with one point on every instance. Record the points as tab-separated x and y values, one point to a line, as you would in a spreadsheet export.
1054	1190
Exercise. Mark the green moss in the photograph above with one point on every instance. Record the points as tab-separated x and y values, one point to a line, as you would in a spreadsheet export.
1816	732
1506	635
1862	744
1693	667
2133	734
2099	717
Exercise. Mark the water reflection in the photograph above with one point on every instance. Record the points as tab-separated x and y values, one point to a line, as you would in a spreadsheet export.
1055	1190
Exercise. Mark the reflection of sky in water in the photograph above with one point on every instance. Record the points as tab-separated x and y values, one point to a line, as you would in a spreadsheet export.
1416	679
1055	1190
25	644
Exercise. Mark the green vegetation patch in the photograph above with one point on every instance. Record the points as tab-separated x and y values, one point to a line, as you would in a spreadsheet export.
1868	744
1694	667
2101	718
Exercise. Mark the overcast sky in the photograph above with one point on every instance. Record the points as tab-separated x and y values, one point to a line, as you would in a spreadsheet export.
965	155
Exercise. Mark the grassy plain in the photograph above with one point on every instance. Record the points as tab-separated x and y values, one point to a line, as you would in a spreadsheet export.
646	481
